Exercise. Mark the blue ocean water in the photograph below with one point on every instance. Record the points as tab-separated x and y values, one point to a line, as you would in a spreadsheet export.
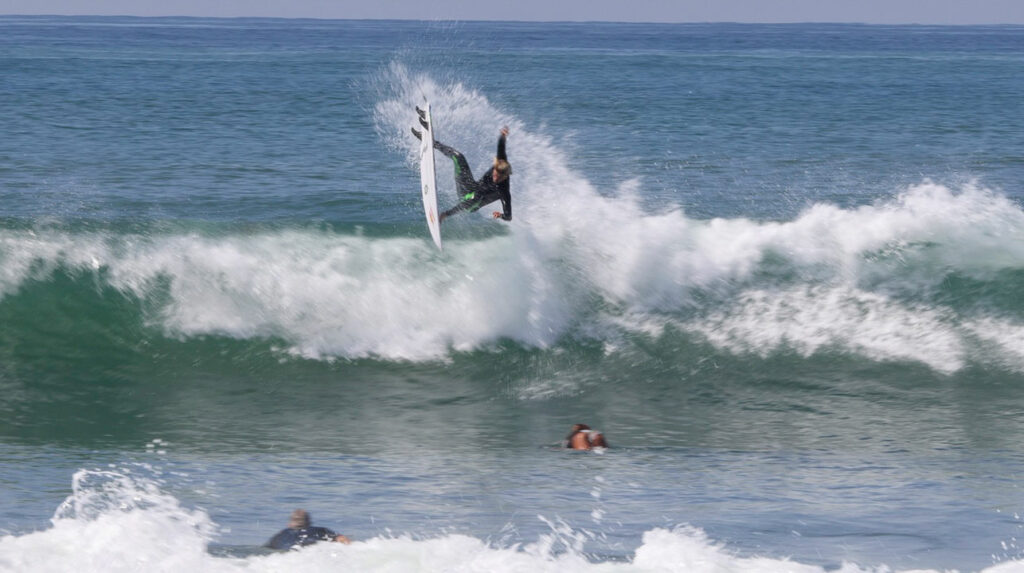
778	266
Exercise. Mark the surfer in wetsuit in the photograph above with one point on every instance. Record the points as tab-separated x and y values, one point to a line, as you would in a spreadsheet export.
473	194
300	532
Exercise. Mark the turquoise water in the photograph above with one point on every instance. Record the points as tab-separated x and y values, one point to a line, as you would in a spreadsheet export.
778	266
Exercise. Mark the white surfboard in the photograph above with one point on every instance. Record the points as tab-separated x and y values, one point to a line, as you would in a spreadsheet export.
428	180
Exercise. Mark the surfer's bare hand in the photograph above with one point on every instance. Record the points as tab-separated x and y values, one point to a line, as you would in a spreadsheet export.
504	131
496	214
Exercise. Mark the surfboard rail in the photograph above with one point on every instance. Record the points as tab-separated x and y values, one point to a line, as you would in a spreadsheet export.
428	177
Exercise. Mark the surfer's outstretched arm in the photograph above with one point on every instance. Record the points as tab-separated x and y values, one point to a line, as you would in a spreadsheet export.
501	144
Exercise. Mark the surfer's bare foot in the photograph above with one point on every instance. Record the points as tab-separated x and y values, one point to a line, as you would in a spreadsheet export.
418	135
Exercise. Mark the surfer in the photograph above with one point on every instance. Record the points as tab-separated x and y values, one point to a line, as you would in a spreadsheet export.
474	194
300	532
581	437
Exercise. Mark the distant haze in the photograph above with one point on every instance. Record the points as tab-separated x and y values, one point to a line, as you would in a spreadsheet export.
754	11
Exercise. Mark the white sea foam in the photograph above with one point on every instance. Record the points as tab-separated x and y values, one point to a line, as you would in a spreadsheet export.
113	521
807	320
117	521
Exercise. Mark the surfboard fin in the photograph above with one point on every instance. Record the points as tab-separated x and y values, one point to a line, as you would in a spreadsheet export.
423	114
418	135
424	123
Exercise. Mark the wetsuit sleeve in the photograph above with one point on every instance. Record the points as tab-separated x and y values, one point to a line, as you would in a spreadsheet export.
324	534
501	148
506	201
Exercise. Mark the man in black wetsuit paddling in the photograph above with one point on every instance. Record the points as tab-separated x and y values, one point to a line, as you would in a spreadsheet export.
300	533
490	188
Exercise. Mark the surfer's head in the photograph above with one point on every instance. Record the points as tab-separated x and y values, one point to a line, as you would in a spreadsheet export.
299	519
571	441
501	170
583	437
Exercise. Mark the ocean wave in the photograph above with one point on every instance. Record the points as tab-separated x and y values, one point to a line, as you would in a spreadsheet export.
927	276
921	278
119	519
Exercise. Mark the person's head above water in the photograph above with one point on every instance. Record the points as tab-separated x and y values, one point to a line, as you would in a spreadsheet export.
299	520
582	437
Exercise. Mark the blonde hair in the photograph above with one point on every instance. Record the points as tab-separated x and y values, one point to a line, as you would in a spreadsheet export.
502	167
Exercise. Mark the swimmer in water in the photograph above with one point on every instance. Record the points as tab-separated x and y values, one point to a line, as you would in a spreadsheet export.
582	437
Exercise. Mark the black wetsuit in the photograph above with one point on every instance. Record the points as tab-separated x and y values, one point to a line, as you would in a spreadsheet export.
475	194
292	538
